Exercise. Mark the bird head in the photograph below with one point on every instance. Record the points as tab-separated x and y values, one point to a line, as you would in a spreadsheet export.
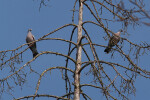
121	30
29	30
118	33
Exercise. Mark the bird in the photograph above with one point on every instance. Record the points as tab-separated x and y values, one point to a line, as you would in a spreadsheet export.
113	41
32	46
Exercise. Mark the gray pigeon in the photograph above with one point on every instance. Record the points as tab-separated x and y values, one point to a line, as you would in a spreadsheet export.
113	41
30	38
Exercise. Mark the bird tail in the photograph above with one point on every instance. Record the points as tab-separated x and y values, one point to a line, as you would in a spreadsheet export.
34	54
107	50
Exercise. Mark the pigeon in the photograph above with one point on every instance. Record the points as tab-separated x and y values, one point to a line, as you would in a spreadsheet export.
113	41
30	38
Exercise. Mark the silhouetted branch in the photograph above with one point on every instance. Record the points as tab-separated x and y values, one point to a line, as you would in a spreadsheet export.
69	53
42	95
49	69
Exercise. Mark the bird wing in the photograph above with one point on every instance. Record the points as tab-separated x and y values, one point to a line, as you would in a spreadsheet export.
33	37
34	44
113	41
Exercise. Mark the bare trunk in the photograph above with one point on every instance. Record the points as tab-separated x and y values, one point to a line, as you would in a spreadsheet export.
78	55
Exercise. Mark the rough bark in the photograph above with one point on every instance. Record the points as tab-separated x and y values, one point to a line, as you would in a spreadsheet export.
78	55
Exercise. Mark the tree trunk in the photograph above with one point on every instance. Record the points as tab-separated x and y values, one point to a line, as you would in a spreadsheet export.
78	55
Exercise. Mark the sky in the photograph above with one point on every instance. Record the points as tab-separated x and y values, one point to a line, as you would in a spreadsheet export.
17	16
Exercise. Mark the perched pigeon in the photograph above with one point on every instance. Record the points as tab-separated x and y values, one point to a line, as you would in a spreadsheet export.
113	41
30	38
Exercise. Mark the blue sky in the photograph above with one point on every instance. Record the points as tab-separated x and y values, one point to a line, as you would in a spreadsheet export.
17	16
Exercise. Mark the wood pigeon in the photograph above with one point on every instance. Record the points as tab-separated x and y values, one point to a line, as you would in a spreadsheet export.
30	38
113	41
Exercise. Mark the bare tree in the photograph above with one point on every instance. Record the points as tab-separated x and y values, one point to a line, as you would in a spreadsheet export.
116	85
